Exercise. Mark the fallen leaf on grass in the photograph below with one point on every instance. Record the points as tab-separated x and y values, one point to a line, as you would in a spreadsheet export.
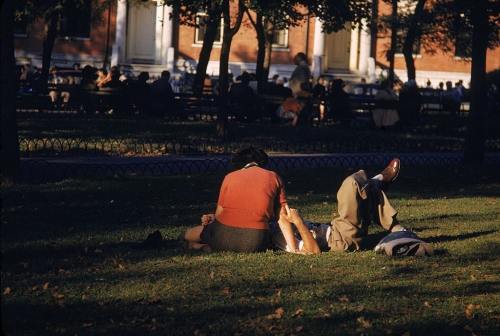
7	291
298	313
427	304
121	267
45	286
278	313
58	296
365	323
344	299
470	310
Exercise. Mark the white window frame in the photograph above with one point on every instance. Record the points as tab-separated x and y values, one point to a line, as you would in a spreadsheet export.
197	42
282	46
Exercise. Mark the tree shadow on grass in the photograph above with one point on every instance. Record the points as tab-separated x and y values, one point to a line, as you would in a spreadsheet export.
464	236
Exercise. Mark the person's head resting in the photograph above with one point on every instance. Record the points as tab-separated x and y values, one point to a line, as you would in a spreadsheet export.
300	58
165	74
249	155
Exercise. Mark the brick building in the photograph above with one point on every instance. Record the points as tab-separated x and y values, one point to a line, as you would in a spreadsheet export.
146	38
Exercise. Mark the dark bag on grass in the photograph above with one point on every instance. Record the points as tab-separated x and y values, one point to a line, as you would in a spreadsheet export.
404	243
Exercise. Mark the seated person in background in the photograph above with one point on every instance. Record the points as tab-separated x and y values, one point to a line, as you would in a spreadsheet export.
242	97
87	85
57	95
103	77
360	201
319	94
385	113
162	95
290	110
339	102
114	79
140	92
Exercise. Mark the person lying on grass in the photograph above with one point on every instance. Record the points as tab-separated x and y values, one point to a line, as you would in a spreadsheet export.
250	197
360	201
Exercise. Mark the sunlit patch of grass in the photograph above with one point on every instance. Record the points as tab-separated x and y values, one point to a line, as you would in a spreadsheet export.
73	262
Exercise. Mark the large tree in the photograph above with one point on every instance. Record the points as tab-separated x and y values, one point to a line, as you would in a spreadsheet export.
10	145
188	11
473	25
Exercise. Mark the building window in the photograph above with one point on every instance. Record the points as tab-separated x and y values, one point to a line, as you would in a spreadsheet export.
280	38
76	19
401	40
20	28
201	28
463	44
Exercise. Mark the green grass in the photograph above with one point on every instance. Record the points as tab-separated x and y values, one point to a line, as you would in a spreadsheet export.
72	262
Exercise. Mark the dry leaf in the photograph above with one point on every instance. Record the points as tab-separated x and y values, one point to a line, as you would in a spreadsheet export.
58	296
7	291
278	313
226	290
470	310
45	286
212	275
427	304
365	323
120	266
344	298
298	313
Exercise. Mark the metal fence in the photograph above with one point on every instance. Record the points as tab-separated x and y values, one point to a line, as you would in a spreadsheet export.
149	147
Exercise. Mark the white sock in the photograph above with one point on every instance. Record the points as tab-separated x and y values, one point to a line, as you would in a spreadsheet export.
378	177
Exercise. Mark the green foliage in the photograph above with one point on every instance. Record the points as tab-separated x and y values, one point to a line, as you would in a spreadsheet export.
72	262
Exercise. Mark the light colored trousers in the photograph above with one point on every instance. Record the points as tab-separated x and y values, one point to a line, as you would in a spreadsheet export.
360	201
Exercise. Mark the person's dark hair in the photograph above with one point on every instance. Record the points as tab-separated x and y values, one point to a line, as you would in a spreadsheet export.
245	77
165	74
89	74
143	76
249	155
299	57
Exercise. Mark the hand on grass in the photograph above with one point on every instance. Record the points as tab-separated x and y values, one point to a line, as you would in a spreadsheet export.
207	219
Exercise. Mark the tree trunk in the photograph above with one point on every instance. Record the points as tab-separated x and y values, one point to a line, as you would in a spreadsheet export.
475	138
394	35
48	46
411	36
224	63
269	28
10	143
206	49
261	51
105	62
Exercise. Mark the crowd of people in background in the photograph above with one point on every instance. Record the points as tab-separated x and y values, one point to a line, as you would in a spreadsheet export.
296	99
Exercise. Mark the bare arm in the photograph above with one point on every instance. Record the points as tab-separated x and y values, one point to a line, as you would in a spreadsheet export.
286	228
310	244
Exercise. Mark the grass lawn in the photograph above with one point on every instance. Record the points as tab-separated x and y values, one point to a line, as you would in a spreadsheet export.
72	262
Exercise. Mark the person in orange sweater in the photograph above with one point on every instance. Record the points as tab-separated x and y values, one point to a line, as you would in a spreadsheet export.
250	197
